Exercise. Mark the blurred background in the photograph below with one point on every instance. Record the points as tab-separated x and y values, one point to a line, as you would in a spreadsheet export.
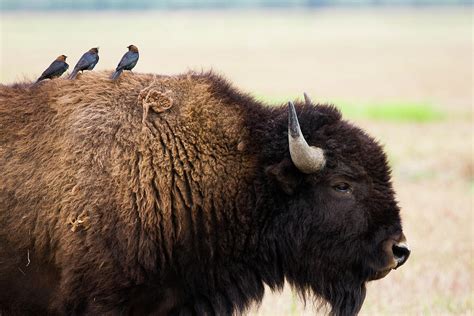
402	70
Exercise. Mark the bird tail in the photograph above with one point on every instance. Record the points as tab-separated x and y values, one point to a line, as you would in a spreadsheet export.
116	74
73	74
39	79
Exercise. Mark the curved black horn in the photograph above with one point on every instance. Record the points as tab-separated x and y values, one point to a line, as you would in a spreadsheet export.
308	159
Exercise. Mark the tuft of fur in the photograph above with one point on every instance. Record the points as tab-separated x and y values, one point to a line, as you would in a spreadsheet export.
163	194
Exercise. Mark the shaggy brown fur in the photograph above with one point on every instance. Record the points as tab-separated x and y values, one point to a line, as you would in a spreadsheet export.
159	194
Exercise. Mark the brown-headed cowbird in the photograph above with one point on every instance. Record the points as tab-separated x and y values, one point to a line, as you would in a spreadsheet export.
56	69
128	61
87	62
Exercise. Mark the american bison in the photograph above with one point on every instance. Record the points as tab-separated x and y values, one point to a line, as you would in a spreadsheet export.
181	195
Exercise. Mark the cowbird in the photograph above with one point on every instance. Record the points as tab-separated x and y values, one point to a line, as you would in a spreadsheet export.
128	61
56	69
87	62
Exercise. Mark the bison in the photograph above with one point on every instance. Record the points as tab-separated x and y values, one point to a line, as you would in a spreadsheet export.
181	195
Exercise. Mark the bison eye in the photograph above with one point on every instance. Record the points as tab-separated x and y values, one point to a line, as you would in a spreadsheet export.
343	187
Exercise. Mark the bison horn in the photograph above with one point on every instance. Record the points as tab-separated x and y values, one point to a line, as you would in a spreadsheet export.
308	159
307	100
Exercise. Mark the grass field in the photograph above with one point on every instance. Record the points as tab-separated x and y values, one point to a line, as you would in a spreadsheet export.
405	76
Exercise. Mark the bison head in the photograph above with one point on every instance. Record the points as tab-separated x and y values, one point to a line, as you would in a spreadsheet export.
342	223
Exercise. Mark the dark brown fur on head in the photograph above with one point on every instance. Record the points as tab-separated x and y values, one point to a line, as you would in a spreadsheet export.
94	50
132	48
61	58
177	195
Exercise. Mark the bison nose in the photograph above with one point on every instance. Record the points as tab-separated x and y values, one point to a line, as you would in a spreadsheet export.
401	252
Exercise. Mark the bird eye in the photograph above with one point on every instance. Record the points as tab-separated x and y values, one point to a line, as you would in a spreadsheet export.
343	187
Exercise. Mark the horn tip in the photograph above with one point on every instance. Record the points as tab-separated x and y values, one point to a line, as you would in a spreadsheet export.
293	125
291	110
307	99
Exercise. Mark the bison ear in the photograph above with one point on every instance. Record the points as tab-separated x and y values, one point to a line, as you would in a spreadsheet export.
285	174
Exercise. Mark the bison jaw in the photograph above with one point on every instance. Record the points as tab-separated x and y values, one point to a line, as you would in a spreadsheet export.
380	274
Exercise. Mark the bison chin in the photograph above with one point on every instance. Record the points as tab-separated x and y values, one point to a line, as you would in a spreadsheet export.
344	299
379	274
342	290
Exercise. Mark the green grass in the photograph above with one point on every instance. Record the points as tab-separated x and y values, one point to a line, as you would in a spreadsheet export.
392	111
294	303
380	111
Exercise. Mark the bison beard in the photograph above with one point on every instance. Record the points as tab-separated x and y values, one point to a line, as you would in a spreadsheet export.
177	195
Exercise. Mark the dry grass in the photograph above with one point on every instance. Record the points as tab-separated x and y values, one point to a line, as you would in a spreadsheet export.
361	56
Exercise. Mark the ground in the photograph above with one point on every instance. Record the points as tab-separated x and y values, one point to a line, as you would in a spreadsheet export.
384	60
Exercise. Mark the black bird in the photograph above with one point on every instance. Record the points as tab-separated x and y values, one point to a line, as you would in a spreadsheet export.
56	69
128	61
87	62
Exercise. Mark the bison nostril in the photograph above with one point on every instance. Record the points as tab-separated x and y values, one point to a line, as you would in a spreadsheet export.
401	252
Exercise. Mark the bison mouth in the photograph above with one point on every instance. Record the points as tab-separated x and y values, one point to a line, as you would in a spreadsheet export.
379	274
